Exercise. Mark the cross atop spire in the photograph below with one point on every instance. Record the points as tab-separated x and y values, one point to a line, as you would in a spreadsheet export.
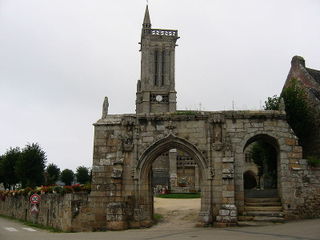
146	20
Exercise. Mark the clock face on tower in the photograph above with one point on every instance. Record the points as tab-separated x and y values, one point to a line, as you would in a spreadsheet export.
159	98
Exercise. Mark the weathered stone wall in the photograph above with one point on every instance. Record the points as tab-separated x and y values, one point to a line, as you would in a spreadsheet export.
55	210
112	170
306	193
254	126
126	146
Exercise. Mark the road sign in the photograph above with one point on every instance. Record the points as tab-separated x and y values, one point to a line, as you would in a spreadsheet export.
35	199
34	209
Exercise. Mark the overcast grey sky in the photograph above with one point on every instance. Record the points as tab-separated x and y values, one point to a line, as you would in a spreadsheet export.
59	58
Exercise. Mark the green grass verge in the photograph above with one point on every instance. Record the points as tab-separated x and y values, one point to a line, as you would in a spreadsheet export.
313	161
185	113
180	195
30	224
157	217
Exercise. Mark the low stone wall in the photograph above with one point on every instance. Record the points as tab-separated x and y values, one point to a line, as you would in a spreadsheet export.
306	193
55	210
84	212
310	207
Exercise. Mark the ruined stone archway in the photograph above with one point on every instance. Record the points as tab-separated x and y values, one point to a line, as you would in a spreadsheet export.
165	144
270	170
126	146
143	179
268	138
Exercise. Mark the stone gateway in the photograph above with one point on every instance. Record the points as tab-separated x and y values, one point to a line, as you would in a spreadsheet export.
126	146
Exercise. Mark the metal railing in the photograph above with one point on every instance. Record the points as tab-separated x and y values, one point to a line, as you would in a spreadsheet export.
163	32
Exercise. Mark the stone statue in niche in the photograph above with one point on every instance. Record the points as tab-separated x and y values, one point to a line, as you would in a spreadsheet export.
217	137
170	128
105	107
117	171
228	146
217	133
211	172
127	143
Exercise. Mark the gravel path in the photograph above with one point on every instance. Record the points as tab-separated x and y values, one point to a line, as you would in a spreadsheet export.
177	213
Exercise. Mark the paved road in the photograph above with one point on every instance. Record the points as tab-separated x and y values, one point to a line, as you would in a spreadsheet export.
302	230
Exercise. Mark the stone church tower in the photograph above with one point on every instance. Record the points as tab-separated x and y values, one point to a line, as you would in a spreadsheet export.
156	93
156	87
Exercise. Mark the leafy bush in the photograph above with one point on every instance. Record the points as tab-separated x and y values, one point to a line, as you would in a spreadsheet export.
86	188
46	190
57	189
299	113
273	103
27	191
67	189
76	187
157	217
313	161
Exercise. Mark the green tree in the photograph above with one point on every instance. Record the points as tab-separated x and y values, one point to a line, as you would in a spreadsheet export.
31	165
264	156
67	176
1	173
259	158
299	113
7	167
52	174
272	103
82	175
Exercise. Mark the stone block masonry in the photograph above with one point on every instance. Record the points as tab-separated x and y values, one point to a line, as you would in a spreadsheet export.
216	142
55	210
121	195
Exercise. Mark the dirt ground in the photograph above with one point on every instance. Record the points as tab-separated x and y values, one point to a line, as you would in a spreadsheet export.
177	213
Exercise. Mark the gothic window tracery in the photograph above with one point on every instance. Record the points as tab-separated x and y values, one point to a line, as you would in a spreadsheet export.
156	70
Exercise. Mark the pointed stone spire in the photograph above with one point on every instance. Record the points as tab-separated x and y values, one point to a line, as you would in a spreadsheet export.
146	20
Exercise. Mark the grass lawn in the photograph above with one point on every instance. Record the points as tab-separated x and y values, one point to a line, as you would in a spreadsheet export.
179	195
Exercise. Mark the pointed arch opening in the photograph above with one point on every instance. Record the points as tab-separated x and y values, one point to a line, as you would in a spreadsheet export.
145	191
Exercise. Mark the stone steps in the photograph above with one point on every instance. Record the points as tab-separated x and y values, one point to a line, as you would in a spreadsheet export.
259	200
254	223
256	204
264	213
277	219
265	208
261	211
266	193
